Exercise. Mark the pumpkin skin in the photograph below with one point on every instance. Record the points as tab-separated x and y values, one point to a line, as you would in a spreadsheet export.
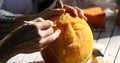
75	43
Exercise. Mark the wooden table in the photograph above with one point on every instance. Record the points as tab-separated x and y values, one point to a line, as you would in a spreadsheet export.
108	40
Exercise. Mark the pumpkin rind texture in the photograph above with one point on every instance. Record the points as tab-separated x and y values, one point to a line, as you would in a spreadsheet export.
75	43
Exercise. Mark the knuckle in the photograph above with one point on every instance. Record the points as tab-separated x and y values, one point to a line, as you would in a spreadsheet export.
39	19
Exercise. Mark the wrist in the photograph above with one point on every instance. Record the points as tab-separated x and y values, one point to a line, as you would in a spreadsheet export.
9	43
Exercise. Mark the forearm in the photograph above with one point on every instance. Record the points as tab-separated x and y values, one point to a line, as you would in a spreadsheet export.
5	55
9	43
19	35
7	48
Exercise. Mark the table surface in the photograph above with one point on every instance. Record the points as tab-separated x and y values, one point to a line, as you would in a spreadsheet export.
107	39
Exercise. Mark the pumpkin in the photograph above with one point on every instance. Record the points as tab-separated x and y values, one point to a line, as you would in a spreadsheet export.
75	43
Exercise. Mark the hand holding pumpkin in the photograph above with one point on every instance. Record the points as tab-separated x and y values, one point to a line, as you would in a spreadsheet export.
45	31
74	11
39	35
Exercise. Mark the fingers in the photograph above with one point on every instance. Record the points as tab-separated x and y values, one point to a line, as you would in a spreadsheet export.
45	33
44	25
39	20
47	40
71	10
81	13
40	23
75	11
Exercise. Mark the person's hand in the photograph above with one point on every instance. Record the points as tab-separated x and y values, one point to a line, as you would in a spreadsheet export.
74	11
45	32
46	35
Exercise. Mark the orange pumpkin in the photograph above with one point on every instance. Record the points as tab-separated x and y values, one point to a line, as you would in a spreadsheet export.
75	43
